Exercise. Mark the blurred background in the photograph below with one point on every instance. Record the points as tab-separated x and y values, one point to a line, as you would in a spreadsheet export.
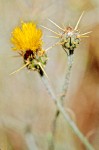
26	109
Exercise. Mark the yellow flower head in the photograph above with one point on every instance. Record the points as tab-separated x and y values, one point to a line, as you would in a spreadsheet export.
27	37
27	41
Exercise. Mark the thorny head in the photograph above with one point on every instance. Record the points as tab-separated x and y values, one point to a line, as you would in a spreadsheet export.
37	60
28	43
69	38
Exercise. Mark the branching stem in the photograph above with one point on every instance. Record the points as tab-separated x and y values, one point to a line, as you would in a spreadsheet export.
68	119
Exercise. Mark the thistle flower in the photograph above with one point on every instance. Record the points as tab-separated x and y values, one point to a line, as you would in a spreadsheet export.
69	37
27	41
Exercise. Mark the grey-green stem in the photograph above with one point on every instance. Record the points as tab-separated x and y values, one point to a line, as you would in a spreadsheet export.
70	59
70	122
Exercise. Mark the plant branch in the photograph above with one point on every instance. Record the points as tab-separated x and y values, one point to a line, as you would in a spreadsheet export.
63	94
67	77
70	122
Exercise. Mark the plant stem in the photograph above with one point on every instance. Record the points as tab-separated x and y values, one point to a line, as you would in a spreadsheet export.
67	77
30	141
71	123
63	94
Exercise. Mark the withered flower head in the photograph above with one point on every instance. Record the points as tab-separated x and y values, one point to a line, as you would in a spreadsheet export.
27	41
69	37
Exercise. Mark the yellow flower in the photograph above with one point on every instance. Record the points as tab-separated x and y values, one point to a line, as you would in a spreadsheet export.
27	37
27	40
